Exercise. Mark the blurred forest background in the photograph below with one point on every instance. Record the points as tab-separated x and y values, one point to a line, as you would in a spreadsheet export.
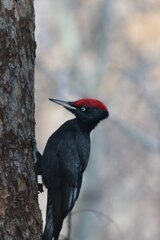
110	50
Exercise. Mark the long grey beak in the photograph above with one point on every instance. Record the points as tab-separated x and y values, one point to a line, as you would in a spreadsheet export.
65	104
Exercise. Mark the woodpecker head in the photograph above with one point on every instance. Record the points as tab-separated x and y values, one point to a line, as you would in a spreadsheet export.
88	111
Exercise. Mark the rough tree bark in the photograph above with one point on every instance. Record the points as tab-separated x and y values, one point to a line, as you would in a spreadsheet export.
20	216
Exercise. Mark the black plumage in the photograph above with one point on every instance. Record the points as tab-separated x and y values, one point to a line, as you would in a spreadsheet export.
64	160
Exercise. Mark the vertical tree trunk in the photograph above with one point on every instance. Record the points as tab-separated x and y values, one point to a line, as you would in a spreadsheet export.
20	216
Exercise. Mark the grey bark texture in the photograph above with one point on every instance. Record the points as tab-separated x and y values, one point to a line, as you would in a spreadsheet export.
20	216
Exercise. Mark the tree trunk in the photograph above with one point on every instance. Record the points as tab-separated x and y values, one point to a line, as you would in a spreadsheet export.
20	216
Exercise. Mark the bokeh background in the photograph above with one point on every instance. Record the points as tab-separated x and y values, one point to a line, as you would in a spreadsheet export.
110	50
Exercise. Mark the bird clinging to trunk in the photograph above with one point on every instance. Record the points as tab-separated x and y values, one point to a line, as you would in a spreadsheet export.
65	159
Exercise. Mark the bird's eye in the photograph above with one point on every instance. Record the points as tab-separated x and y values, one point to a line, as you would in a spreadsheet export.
83	109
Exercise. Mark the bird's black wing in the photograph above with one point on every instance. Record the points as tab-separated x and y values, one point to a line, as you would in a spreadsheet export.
70	195
70	180
62	175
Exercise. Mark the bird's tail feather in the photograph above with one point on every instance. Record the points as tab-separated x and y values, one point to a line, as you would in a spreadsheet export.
57	208
49	229
54	216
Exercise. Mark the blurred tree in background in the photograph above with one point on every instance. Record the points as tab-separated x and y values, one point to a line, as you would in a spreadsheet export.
109	50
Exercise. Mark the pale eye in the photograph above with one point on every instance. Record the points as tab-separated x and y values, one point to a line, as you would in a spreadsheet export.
83	109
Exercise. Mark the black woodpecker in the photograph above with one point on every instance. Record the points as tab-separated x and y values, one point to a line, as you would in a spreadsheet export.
65	159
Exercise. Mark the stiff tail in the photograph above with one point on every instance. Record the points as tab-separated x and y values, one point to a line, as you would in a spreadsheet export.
61	199
49	229
54	218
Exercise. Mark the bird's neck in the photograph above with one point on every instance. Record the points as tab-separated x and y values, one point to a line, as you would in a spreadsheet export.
87	126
